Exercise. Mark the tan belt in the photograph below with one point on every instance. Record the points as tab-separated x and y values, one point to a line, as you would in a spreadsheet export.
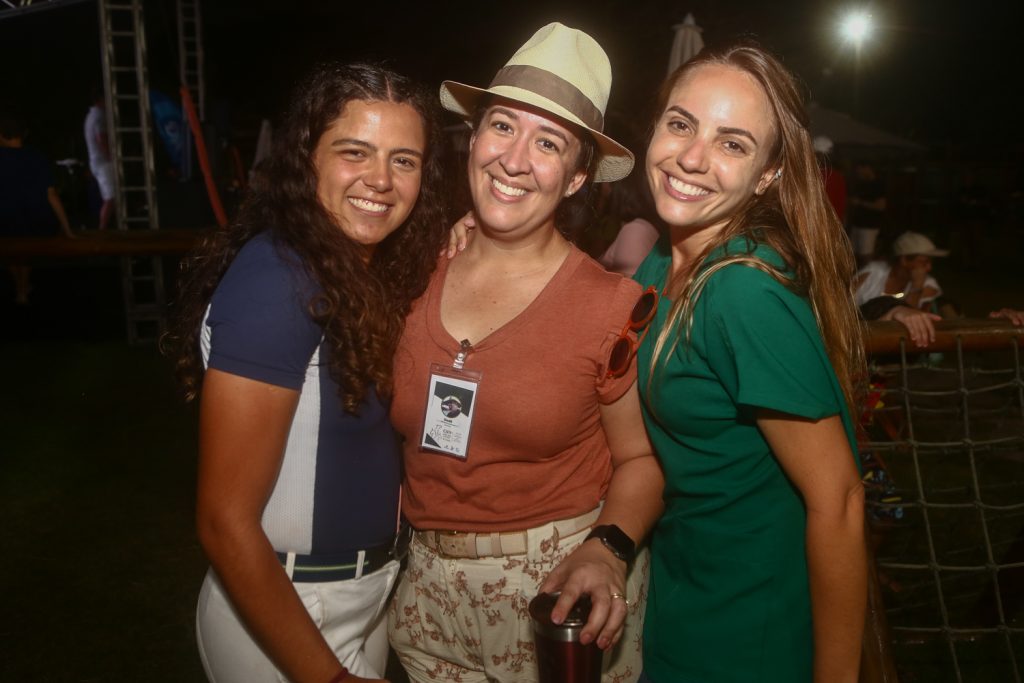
471	544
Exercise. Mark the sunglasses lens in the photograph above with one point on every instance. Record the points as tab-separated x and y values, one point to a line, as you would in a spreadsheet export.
618	359
644	308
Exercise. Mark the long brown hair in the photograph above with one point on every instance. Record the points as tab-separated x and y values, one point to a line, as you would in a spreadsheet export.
792	216
361	307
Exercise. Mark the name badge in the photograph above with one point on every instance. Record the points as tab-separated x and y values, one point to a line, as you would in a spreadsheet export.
451	404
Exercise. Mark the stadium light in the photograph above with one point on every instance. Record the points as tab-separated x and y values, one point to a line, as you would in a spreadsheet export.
856	27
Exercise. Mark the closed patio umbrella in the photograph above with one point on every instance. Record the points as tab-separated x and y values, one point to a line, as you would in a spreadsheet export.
686	44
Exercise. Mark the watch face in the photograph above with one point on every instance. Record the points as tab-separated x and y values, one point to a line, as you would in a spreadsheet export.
616	540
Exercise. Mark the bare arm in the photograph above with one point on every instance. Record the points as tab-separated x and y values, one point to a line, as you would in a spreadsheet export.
633	503
1013	315
243	429
920	324
816	457
58	210
631	246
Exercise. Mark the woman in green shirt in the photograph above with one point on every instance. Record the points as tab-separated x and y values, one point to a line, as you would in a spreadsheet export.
758	567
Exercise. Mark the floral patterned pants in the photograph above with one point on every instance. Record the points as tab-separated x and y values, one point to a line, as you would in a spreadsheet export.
467	620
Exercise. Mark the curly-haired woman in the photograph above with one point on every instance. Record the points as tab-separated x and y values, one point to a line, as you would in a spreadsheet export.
287	326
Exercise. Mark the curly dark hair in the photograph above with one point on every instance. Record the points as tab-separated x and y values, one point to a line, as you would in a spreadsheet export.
360	306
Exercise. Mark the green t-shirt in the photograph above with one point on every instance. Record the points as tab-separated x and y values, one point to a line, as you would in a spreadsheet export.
729	597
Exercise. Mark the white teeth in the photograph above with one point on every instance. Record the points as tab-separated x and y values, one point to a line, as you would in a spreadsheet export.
508	189
687	188
367	205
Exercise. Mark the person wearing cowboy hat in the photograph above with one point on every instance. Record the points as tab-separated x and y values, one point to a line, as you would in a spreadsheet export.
548	483
903	289
906	276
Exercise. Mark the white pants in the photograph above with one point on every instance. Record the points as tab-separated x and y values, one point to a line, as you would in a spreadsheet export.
104	175
350	615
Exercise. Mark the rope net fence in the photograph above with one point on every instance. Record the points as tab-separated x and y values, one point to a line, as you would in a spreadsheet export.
943	455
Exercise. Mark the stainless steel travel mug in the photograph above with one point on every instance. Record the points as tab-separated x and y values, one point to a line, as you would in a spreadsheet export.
561	658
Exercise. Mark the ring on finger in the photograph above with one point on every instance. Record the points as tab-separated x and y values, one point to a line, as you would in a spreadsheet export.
620	596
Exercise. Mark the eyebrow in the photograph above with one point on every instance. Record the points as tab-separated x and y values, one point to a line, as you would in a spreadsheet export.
547	129
738	131
721	129
341	142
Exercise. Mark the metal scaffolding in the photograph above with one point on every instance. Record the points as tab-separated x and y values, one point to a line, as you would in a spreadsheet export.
130	135
126	85
13	8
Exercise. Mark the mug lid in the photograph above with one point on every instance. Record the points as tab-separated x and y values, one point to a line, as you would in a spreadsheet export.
540	611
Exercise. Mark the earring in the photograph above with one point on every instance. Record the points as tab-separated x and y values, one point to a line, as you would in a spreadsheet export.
778	174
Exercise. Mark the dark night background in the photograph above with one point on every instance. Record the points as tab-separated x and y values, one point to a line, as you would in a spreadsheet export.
940	72
98	451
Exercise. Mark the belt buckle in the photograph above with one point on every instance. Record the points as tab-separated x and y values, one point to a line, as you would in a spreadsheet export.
452	543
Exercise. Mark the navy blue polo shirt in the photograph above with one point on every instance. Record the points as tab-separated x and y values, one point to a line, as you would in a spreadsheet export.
338	486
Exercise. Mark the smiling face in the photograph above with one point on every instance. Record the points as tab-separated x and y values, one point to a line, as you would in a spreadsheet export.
369	164
522	163
710	149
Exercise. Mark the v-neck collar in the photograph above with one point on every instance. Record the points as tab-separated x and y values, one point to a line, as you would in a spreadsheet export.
444	339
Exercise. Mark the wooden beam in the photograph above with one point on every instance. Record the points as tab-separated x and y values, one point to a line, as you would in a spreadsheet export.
973	334
105	243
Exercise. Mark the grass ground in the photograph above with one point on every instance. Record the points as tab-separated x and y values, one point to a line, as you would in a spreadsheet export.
101	567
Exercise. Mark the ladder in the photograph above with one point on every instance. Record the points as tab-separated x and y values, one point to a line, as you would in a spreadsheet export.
190	68
123	46
190	52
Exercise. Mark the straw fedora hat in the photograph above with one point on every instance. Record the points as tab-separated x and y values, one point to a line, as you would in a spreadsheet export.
562	71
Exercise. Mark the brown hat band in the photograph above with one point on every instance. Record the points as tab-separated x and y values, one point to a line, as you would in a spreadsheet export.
554	88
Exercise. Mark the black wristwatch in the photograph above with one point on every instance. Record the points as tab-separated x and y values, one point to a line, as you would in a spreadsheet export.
616	540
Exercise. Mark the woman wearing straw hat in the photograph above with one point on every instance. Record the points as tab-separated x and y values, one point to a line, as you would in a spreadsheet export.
527	465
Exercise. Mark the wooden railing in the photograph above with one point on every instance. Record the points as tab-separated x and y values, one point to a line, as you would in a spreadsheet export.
101	243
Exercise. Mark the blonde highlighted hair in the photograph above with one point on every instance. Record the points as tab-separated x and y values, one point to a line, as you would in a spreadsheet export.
793	216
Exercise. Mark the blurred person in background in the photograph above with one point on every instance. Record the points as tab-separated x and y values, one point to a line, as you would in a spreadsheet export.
29	203
629	205
101	165
831	175
866	210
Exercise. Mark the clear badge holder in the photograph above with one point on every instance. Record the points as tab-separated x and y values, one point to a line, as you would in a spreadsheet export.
451	405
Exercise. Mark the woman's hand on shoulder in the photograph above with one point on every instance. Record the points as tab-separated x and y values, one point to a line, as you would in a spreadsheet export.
458	236
591	569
